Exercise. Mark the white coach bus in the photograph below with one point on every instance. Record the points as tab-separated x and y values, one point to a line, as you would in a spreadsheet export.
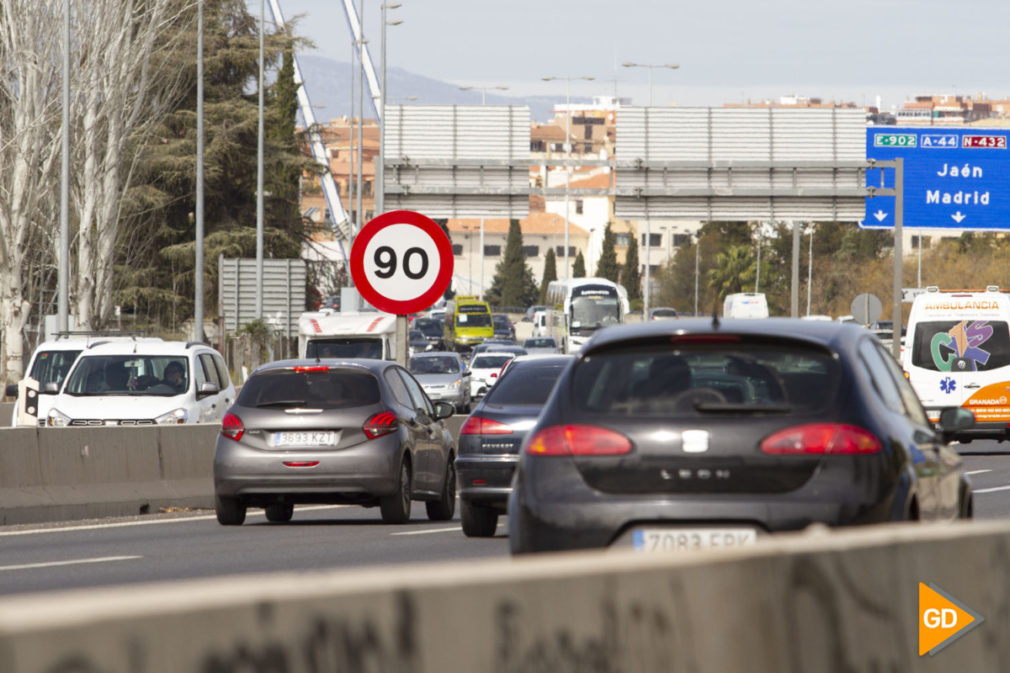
588	304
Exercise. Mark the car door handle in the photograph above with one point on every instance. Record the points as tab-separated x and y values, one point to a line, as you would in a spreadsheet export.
973	386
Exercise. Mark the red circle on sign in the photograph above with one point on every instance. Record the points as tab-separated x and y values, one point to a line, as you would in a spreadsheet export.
428	296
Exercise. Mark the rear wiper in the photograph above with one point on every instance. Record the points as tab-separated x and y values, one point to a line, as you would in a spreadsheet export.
283	403
737	407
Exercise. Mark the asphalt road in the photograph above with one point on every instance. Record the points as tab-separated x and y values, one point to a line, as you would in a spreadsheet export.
189	545
193	545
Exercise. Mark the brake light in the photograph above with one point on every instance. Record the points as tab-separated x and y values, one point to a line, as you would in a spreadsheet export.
820	439
578	440
476	425
301	463
232	427
380	424
704	338
312	368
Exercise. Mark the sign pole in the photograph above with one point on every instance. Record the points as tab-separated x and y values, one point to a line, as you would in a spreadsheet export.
899	208
401	340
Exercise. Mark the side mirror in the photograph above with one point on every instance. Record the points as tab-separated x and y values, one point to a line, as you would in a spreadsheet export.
11	390
443	410
953	420
208	388
51	388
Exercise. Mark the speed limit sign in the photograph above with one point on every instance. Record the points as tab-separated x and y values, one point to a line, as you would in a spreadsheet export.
401	262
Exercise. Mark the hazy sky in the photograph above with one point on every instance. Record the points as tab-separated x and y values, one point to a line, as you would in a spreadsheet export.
727	50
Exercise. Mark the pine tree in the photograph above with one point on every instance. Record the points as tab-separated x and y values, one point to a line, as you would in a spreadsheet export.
579	266
607	266
631	277
513	285
550	273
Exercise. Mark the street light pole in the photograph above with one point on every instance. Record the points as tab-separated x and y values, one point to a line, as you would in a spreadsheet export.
651	67
810	266
198	263
568	149
379	193
697	247
259	174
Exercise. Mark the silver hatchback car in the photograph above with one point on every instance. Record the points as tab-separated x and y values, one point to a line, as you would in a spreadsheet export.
337	431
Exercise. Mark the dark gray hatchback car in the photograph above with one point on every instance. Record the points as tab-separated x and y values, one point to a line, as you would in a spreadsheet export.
490	438
672	435
334	431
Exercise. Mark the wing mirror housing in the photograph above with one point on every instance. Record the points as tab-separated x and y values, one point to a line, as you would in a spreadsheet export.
954	420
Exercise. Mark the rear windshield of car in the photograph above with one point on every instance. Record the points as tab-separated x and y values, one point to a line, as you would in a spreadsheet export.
539	343
52	366
429	327
439	364
491	361
525	383
345	347
961	345
330	389
661	382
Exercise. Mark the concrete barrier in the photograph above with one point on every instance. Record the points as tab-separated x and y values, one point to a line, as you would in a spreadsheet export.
59	474
56	474
843	602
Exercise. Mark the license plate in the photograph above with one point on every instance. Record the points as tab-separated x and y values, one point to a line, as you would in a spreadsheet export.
679	539
305	438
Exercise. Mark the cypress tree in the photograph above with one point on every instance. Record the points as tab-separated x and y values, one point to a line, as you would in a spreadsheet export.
579	266
607	266
631	277
550	273
513	284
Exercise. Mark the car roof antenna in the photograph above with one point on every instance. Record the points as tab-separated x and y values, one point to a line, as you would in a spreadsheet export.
715	315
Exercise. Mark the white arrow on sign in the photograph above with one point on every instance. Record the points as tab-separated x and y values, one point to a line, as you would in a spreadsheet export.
880	215
958	217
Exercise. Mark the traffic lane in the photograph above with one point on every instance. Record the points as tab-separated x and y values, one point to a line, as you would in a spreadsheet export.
987	464
151	549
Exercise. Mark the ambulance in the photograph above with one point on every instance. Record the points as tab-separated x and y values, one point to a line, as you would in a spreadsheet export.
957	354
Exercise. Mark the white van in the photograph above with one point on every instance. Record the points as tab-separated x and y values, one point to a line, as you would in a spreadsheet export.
48	367
957	354
745	305
147	382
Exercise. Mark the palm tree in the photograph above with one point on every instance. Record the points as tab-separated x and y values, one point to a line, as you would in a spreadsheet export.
734	270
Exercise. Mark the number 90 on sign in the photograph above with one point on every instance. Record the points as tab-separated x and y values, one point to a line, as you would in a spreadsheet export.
401	262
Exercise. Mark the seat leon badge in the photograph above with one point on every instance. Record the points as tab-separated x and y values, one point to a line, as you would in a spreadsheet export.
694	441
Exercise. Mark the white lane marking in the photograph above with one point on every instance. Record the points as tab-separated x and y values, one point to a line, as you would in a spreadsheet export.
976	491
978	471
54	564
123	524
429	531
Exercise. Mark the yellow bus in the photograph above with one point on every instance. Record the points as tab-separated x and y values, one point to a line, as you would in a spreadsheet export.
467	323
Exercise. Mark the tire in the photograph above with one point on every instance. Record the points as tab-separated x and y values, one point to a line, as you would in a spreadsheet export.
396	507
478	521
230	511
445	508
280	513
967	507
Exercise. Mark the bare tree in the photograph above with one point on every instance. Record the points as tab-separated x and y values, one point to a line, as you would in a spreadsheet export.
128	81
30	57
123	79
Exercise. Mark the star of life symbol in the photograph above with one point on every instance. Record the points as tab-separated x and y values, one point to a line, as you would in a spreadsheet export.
948	385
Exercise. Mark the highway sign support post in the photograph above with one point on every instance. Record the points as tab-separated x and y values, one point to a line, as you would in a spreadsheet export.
401	263
898	192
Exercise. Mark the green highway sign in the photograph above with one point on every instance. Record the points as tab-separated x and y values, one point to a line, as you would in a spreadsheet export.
894	140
